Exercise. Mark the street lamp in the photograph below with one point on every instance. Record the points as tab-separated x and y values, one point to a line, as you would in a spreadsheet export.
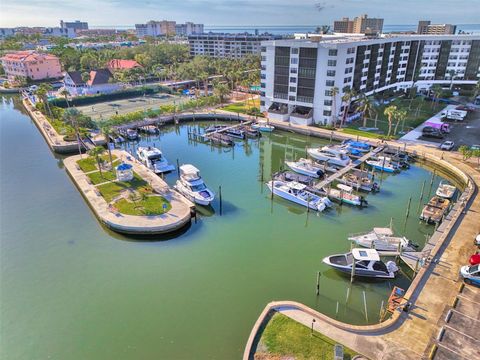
313	322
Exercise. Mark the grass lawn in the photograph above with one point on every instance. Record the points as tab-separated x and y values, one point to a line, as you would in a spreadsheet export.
418	110
153	205
285	337
111	190
89	164
243	107
367	134
97	178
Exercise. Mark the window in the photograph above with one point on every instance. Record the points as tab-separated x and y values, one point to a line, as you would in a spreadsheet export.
328	92
263	48
263	76
332	63
264	58
294	61
293	79
293	70
349	61
262	85
291	98
294	50
292	89
262	102
330	83
328	102
327	112
330	72
351	50
348	70
332	52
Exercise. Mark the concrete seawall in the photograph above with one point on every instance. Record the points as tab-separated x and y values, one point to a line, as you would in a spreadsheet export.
175	219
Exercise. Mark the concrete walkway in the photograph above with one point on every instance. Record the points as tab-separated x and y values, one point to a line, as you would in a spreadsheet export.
177	217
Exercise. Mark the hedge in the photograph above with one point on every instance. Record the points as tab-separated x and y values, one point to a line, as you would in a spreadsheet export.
123	94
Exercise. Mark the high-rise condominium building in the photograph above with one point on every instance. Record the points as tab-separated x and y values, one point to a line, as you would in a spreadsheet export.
75	25
189	28
297	76
156	28
425	27
343	26
359	25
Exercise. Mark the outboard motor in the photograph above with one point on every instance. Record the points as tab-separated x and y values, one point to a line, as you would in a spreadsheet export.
392	267
375	187
363	202
320	174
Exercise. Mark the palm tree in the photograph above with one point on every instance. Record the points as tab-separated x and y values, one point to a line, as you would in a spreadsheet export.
220	90
97	153
400	116
42	93
334	92
367	108
390	112
65	94
107	130
348	95
476	90
437	93
452	73
71	117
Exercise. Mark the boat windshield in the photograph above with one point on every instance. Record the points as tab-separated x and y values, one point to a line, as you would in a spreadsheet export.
198	187
156	157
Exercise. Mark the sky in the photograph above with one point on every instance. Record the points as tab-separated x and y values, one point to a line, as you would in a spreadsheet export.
234	12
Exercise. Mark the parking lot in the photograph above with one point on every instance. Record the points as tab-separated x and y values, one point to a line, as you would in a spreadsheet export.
106	109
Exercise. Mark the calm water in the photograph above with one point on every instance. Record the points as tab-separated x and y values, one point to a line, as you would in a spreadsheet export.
72	290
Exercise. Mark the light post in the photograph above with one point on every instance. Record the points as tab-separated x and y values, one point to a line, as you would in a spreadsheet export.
311	329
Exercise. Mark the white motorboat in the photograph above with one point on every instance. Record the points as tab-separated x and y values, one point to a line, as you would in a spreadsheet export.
382	239
306	167
150	129
359	181
334	155
153	159
192	186
445	190
131	134
296	192
364	263
383	164
344	194
435	209
262	125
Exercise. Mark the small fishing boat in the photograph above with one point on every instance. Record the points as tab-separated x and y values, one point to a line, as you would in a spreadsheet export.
149	129
306	167
298	194
382	239
263	126
357	146
251	132
434	211
445	190
334	155
192	186
359	181
153	159
383	164
289	176
363	263
131	134
235	133
344	194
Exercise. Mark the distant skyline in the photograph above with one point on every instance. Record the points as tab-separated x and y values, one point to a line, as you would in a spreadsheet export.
233	12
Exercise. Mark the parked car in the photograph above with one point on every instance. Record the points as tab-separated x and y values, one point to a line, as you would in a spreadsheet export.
429	131
447	145
474	259
471	274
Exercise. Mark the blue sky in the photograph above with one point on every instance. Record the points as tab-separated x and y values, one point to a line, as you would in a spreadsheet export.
234	12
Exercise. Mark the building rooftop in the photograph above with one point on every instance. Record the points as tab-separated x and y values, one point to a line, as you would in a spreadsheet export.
27	56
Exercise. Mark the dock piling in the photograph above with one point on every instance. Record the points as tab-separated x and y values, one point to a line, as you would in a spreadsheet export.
408	207
365	305
336	312
318	282
380	317
220	199
178	168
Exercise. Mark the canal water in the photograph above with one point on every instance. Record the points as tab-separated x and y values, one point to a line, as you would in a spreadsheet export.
69	288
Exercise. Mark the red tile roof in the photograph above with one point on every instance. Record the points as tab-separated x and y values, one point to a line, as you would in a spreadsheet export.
119	64
27	56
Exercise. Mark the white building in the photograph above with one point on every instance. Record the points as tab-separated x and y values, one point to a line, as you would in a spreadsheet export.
156	28
60	32
188	28
226	45
99	82
297	76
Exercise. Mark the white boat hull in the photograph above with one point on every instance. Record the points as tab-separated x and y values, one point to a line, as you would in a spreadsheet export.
314	172
195	197
331	160
314	205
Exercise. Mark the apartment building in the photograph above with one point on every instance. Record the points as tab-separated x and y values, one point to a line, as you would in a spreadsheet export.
75	25
425	27
156	28
227	45
31	65
297	76
359	25
189	28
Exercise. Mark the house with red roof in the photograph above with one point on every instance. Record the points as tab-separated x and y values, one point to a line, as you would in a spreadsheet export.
120	64
99	81
31	65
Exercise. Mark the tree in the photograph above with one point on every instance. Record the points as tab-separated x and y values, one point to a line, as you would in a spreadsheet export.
437	92
97	153
367	108
106	131
348	95
88	61
334	92
466	152
65	94
391	113
400	116
220	90
476	90
452	73
76	119
42	94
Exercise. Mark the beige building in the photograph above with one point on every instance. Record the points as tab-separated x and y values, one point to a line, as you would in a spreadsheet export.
425	27
359	25
156	28
31	65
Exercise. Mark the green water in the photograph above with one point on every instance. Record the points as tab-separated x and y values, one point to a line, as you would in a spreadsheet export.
72	290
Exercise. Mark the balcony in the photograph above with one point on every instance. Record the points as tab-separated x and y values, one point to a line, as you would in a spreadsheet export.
278	111
301	115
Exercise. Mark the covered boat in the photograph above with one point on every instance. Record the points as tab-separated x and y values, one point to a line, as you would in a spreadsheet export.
333	154
383	163
298	194
344	194
359	181
192	186
263	126
445	190
357	146
306	167
382	239
153	159
364	263
434	211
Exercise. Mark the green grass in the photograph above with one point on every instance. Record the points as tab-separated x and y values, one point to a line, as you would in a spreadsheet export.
89	164
367	134
418	111
152	205
97	178
243	107
285	337
111	190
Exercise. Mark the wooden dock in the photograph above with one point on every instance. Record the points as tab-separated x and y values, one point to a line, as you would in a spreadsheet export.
219	131
349	167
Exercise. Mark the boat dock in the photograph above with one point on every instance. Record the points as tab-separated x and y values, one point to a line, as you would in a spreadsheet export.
222	130
349	167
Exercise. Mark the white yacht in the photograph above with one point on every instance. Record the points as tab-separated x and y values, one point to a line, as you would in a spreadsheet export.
364	263
306	167
382	239
262	125
445	190
383	164
153	159
334	155
192	186
296	192
344	193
